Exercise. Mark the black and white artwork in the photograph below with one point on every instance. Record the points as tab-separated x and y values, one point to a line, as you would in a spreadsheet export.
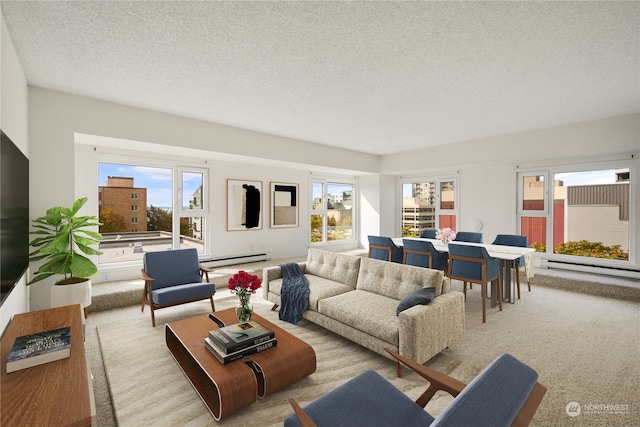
244	205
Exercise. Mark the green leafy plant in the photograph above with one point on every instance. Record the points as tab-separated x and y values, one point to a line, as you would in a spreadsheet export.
62	240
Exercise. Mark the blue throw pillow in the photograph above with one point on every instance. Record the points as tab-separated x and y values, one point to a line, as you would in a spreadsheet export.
422	296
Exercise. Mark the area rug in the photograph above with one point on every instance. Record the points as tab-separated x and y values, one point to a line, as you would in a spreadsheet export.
148	387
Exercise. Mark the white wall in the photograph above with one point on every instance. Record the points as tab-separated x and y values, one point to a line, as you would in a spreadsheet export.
57	120
14	123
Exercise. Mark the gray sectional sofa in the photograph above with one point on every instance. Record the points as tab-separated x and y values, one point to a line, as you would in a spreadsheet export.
358	297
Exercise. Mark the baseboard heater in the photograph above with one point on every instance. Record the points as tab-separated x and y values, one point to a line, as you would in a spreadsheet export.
234	259
594	269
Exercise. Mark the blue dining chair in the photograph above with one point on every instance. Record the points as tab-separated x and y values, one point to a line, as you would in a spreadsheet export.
515	240
428	234
473	264
421	253
468	236
384	249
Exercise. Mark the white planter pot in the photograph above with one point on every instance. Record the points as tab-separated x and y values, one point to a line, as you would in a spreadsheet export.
77	293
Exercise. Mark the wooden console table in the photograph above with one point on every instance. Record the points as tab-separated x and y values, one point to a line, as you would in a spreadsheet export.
58	393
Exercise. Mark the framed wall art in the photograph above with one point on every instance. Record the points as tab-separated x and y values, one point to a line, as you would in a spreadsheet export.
244	205
284	205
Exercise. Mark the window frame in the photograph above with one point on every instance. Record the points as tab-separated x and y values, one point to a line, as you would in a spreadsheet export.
326	181
549	172
97	156
438	211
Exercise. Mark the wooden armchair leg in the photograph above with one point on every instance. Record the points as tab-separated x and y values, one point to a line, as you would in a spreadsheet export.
275	307
213	306
398	369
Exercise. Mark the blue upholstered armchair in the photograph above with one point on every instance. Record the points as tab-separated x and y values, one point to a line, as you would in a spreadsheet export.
174	277
468	236
515	240
505	393
422	254
474	265
384	249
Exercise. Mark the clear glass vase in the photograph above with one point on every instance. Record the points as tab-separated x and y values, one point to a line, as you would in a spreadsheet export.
244	309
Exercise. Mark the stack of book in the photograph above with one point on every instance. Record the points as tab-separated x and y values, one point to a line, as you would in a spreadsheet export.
236	341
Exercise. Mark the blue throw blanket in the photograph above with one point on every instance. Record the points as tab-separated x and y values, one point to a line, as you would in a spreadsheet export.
294	295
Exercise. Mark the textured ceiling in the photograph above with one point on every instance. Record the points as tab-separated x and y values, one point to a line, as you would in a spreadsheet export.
377	77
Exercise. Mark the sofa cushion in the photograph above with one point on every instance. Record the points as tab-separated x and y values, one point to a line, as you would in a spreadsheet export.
368	312
319	288
396	280
422	296
333	266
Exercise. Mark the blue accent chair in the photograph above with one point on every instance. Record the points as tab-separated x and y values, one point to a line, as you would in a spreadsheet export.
473	264
468	236
428	234
505	393
421	253
384	249
174	277
515	240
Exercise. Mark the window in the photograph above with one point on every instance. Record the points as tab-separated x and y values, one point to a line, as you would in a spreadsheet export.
191	214
169	212
581	215
332	211
428	204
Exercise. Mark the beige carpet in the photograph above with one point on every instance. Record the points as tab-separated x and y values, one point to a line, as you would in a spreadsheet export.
584	347
148	388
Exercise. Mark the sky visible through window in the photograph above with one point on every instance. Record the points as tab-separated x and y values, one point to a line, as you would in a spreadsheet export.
157	180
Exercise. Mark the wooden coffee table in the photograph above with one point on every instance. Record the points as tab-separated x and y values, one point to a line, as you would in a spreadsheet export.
228	388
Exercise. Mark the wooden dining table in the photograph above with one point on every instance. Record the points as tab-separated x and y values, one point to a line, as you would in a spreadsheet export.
506	254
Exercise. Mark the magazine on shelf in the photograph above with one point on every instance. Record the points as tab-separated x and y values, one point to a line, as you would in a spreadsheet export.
230	357
236	337
37	349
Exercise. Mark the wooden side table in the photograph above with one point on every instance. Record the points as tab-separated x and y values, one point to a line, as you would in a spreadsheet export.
58	393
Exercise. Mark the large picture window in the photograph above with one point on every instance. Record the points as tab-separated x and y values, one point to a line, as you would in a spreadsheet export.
428	204
169	210
332	211
579	214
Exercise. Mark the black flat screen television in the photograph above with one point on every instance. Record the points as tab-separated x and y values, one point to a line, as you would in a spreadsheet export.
14	215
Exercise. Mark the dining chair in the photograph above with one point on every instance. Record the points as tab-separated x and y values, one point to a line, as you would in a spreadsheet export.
384	249
515	240
468	236
428	234
473	264
422	253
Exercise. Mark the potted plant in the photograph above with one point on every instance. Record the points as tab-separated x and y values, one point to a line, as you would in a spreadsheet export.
63	239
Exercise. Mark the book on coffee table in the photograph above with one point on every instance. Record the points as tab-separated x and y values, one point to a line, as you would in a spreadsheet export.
230	357
236	337
37	349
